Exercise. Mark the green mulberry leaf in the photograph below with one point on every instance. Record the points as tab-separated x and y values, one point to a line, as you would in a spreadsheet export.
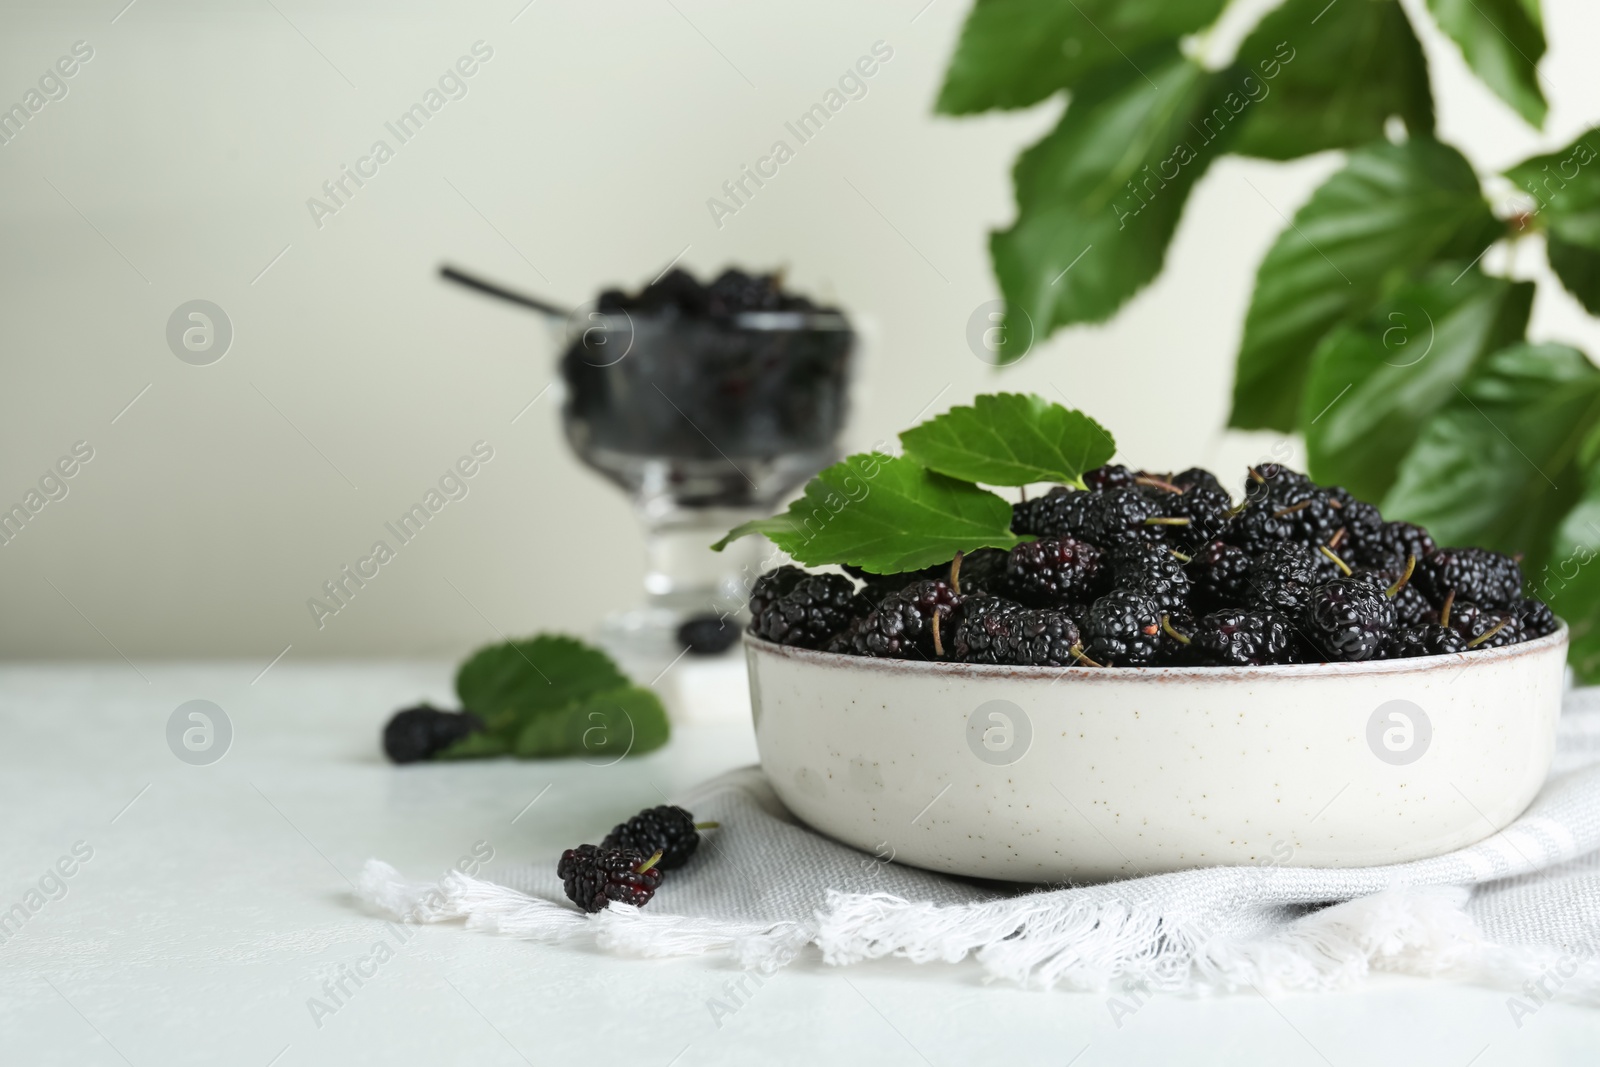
507	684
1099	197
1502	41
885	514
601	727
1570	582
1500	465
1372	225
1330	76
1013	53
1565	187
1374	383
1010	439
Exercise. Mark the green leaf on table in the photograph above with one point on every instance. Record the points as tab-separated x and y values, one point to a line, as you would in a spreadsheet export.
1502	41
1010	439
1565	186
1391	209
1013	53
1374	383
481	745
885	514
602	727
509	683
1106	187
1326	76
1570	582
554	696
1499	465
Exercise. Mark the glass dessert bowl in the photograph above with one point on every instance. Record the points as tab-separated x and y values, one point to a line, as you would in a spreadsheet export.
705	418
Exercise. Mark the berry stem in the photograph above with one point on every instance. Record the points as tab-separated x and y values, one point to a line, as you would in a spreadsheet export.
955	576
1326	551
1481	638
1162	521
1444	609
1338	538
1180	556
708	826
1256	476
1158	483
1291	509
647	864
1411	565
938	645
1078	654
1166	624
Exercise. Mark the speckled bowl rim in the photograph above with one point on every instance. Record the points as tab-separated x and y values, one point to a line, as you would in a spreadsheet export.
1163	675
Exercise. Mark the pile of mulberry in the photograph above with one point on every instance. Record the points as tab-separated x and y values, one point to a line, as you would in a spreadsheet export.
1141	569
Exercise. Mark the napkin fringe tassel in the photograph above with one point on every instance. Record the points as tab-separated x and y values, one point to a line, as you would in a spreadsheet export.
620	928
1042	941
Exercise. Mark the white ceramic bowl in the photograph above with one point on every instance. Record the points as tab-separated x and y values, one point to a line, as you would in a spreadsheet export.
1037	775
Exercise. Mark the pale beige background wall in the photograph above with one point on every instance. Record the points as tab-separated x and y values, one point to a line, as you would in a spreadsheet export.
179	165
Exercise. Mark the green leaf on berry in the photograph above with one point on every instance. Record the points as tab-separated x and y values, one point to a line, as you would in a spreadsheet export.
885	514
510	683
1390	210
601	727
1374	383
1565	186
1502	41
1010	439
1013	53
1500	465
1323	76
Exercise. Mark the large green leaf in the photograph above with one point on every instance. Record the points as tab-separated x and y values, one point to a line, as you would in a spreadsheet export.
1099	197
1570	581
1013	53
885	514
1329	76
1565	187
1010	439
1375	382
1499	466
1391	209
1502	41
507	684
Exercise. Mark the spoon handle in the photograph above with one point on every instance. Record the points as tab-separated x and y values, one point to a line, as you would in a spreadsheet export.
451	274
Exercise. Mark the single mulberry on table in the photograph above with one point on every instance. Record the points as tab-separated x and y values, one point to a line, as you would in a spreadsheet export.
594	877
666	828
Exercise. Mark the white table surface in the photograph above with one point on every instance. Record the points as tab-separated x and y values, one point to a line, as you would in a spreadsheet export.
217	902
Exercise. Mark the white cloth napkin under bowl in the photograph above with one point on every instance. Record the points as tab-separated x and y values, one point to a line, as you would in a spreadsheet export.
1520	909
